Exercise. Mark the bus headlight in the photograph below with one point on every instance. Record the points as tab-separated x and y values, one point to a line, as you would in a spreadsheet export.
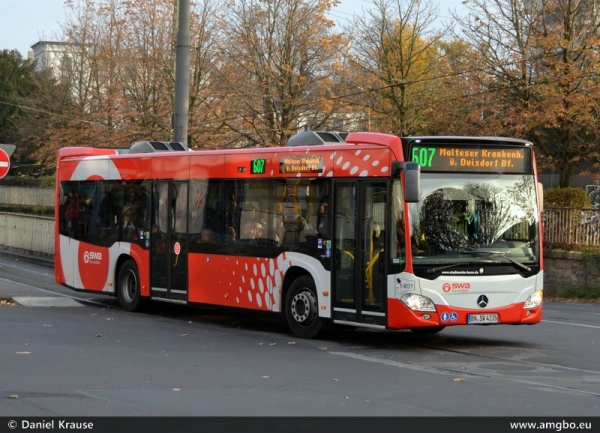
534	300
417	302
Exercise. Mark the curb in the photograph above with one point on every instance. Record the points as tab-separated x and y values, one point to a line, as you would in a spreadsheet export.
30	258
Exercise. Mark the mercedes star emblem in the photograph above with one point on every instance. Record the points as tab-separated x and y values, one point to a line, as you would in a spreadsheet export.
482	301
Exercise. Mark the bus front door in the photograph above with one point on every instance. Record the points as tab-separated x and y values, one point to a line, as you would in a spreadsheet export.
169	241
359	274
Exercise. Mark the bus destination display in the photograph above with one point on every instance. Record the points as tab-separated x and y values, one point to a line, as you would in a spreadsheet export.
476	159
301	164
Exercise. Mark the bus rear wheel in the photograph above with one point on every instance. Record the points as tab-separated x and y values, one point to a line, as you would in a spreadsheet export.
128	286
302	309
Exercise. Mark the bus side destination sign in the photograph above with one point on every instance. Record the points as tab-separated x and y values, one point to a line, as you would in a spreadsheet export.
301	164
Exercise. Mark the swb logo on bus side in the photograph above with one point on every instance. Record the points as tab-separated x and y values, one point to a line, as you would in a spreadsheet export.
92	257
92	264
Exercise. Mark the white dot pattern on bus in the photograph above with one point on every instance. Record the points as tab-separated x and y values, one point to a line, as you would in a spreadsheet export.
262	288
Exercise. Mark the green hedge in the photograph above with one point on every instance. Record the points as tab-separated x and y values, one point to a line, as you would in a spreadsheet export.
40	182
29	210
566	197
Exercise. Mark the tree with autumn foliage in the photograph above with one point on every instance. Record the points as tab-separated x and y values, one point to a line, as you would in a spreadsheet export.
119	62
540	71
457	108
396	53
29	102
281	65
207	128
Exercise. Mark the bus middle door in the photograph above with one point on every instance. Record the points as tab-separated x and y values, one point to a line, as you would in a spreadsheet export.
169	241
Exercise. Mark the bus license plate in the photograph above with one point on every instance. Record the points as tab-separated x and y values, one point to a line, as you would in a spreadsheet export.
477	319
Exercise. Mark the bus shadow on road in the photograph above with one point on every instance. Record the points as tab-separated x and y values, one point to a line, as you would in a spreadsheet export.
333	334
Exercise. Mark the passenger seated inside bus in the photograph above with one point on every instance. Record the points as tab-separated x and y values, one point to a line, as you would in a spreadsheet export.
207	237
230	235
133	216
248	234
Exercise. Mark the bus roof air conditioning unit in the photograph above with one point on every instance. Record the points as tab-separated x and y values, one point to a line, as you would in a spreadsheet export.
311	138
157	146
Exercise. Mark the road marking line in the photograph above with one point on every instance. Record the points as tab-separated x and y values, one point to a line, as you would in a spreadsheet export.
572	324
447	371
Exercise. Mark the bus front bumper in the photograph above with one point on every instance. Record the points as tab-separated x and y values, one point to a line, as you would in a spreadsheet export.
402	317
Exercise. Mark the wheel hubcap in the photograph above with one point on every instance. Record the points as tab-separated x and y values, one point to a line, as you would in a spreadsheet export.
130	283
304	307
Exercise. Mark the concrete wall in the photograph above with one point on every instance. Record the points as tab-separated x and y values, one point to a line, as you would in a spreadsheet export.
29	196
28	234
568	269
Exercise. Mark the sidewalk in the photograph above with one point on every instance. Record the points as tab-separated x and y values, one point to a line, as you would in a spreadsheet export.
22	292
29	295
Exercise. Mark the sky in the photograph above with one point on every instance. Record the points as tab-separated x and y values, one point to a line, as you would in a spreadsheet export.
25	22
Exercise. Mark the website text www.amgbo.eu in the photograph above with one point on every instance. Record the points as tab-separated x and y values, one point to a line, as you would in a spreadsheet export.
551	425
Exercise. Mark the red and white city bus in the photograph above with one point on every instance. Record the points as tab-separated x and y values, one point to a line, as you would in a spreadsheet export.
341	232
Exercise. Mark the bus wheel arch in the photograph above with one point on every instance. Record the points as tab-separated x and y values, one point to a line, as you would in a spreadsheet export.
301	306
128	285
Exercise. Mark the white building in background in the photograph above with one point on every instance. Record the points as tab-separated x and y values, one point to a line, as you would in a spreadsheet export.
58	57
67	63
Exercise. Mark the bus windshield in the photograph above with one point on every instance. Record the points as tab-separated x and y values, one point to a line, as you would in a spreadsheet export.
471	218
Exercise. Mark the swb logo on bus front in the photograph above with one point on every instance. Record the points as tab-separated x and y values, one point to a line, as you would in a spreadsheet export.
92	257
456	287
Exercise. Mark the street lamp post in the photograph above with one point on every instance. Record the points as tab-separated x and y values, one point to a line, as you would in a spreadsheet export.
182	74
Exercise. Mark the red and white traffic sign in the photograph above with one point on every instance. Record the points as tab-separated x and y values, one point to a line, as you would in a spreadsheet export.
4	163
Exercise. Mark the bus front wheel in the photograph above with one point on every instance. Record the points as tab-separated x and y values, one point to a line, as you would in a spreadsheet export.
302	309
128	286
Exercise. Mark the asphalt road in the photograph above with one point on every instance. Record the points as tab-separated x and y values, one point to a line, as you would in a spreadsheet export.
93	359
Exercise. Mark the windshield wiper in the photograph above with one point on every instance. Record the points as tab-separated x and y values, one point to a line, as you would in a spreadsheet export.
453	265
501	254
